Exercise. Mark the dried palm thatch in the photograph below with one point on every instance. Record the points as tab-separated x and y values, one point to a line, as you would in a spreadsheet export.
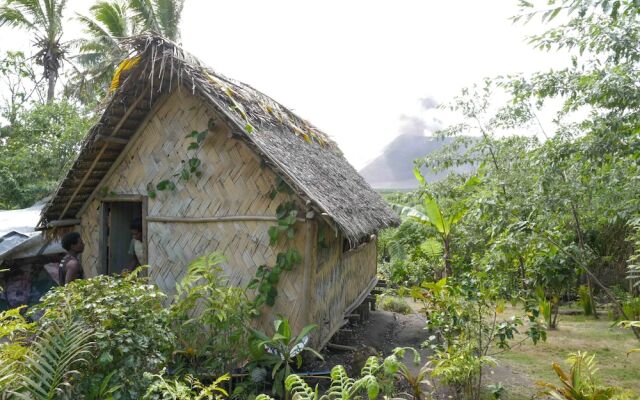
299	153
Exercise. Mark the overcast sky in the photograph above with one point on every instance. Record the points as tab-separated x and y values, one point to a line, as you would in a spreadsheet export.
360	70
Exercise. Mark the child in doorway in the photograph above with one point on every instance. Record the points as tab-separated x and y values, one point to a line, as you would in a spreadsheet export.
136	248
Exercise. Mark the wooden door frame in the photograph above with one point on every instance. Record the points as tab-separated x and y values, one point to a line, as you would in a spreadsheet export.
102	245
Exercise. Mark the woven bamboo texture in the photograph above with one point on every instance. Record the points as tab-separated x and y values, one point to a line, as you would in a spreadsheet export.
340	279
233	183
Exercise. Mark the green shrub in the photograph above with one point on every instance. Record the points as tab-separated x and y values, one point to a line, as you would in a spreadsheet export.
189	388
130	329
210	319
631	308
585	299
277	355
581	382
395	304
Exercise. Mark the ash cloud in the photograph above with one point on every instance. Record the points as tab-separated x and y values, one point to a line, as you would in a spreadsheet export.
428	103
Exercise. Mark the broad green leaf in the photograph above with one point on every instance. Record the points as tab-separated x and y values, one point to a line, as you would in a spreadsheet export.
434	214
419	176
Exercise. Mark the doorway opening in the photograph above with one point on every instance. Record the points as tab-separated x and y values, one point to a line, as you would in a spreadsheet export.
116	238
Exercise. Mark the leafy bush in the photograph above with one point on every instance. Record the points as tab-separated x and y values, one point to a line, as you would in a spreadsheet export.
581	382
464	318
376	379
14	331
459	366
130	329
210	319
584	296
395	304
278	353
188	389
631	308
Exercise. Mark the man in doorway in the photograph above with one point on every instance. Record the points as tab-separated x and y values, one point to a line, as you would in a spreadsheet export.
70	268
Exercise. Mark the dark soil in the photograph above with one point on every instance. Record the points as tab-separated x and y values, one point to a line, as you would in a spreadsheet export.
383	332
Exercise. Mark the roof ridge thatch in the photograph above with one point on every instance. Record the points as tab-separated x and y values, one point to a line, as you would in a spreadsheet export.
305	157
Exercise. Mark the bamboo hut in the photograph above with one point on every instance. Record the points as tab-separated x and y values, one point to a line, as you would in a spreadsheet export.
162	98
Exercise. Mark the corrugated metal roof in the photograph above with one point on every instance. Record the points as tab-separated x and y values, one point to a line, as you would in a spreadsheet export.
18	237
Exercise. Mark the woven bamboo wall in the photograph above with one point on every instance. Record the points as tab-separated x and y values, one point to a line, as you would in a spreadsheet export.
340	279
233	184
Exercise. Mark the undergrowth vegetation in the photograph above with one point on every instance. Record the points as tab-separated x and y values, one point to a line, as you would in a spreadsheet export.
543	222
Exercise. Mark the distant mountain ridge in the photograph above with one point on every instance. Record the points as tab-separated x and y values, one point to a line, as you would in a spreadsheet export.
393	169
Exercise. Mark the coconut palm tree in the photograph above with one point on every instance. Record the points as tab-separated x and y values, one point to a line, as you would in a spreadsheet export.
101	51
110	20
43	18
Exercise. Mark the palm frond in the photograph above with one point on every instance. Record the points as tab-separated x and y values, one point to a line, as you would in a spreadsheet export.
14	18
113	16
168	14
52	361
145	14
95	30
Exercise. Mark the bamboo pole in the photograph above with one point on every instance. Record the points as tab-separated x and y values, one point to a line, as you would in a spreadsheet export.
201	220
59	223
308	268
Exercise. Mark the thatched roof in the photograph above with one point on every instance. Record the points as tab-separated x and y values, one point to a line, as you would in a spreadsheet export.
298	152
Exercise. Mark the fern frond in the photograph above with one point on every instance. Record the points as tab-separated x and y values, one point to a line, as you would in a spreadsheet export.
371	366
52	359
432	247
396	251
368	383
299	389
7	376
341	385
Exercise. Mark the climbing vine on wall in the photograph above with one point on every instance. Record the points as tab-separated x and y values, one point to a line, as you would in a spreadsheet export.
267	277
191	166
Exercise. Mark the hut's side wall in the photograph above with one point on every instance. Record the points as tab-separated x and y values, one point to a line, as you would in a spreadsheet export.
233	184
341	278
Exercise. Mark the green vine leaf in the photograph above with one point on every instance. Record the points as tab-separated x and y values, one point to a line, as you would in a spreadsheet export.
166	185
201	136
194	163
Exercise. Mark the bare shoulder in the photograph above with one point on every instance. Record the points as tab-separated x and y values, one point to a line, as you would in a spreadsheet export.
73	264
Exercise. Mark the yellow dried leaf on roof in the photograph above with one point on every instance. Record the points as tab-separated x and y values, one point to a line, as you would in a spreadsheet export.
125	65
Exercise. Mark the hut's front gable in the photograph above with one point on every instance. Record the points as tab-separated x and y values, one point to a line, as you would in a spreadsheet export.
233	183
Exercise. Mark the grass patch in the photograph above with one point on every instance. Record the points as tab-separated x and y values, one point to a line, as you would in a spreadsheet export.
395	304
610	344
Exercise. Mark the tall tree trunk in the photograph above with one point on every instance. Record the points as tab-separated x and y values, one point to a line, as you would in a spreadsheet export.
580	235
51	91
448	270
523	275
